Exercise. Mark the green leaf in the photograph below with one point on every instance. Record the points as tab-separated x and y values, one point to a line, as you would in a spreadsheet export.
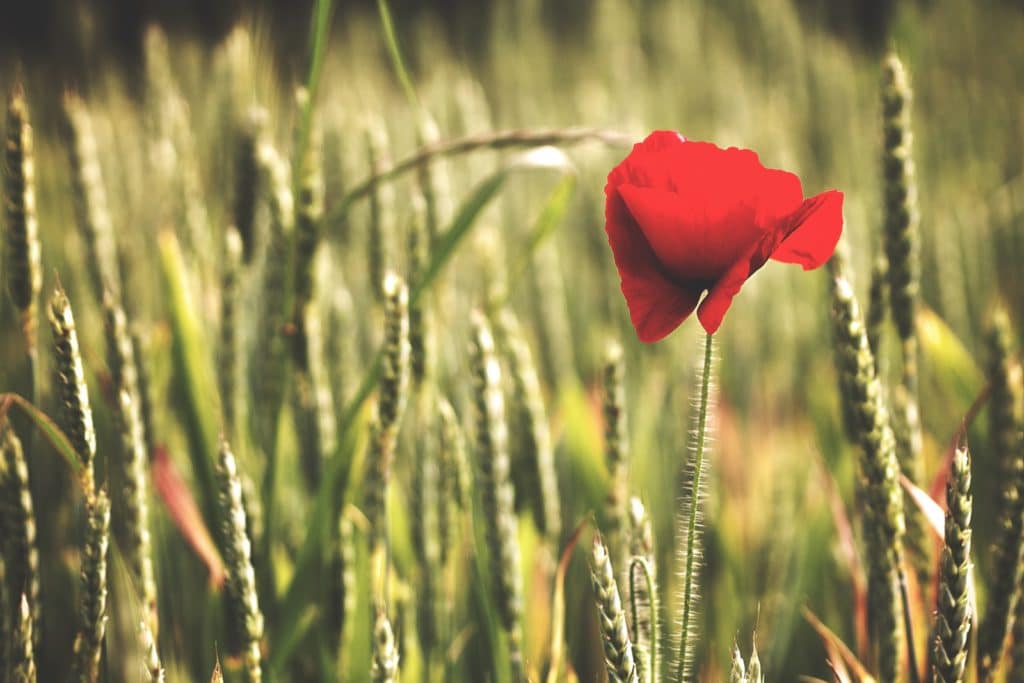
193	373
953	378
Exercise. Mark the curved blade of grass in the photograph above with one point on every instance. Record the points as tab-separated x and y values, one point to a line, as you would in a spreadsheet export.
327	504
45	425
558	606
834	643
193	374
395	53
319	27
932	511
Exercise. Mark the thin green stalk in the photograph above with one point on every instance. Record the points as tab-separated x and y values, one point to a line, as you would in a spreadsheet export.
685	655
395	53
320	23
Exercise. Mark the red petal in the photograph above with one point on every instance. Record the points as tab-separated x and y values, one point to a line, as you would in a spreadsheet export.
813	231
694	236
656	304
721	294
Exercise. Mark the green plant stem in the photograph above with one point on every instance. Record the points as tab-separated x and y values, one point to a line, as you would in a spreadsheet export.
691	529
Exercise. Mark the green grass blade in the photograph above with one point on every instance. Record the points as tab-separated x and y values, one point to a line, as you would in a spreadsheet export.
395	53
45	425
319	29
193	374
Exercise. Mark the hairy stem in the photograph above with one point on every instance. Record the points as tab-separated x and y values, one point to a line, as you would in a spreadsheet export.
691	529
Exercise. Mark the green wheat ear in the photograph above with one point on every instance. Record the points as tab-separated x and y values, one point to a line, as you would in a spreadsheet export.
618	648
18	525
901	213
738	670
384	663
270	374
902	248
953	621
1005	406
497	491
72	389
88	647
23	661
92	212
24	272
154	669
878	486
455	477
420	337
237	549
228	351
392	397
133	460
247	178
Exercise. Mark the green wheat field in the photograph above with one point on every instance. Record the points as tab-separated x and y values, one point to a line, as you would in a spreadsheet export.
325	374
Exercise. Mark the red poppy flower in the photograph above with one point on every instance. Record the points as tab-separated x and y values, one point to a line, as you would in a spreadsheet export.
686	217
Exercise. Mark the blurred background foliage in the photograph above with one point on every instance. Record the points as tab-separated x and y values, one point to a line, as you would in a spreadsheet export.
796	80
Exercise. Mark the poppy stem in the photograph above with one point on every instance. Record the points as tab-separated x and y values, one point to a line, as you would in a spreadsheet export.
685	655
